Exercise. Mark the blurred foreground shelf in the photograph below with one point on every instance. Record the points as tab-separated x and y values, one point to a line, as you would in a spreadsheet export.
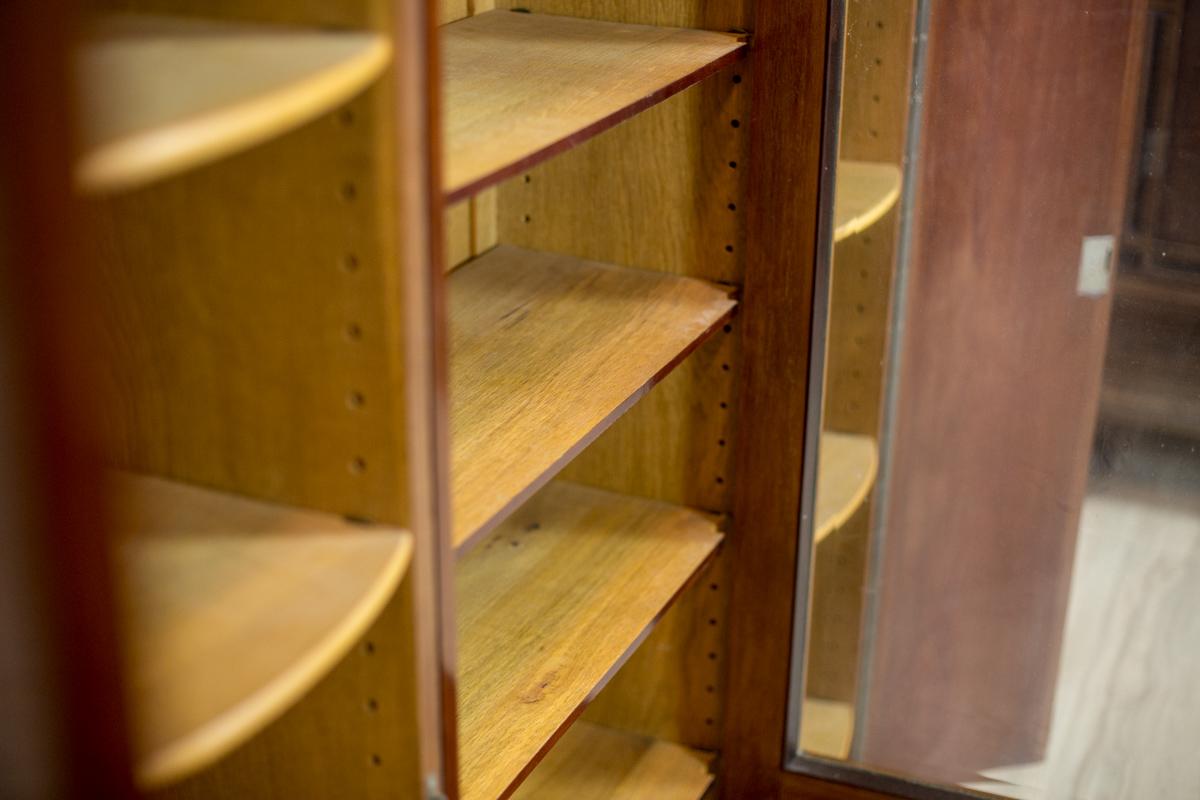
232	609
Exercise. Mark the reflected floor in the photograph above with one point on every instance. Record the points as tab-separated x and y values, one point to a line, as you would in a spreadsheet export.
1127	710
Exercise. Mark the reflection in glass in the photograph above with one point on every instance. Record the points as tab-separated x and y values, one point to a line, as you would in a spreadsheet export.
1003	587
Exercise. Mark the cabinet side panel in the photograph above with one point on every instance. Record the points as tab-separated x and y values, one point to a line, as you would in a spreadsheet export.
249	343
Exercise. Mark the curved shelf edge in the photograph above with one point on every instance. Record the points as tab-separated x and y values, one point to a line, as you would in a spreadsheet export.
847	464
866	191
326	69
191	593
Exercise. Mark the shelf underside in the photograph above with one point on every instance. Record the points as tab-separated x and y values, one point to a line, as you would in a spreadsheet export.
592	762
161	95
546	351
231	610
847	465
520	87
865	191
549	606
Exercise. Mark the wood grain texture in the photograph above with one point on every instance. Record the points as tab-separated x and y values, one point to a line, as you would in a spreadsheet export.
782	194
592	762
353	735
671	688
162	95
550	605
210	658
546	351
672	179
521	87
229	333
667	169
985	506
865	191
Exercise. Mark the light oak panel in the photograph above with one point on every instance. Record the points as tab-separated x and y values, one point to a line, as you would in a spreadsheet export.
546	351
827	728
671	687
672	181
353	735
550	604
226	334
596	763
232	609
520	87
161	95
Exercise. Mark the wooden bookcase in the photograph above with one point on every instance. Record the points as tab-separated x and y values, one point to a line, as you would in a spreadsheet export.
449	369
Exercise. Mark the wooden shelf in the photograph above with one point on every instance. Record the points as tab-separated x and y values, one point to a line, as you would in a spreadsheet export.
865	192
592	762
161	95
550	605
847	464
522	87
232	609
826	728
546	351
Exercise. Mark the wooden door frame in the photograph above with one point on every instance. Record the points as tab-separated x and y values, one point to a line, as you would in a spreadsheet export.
790	67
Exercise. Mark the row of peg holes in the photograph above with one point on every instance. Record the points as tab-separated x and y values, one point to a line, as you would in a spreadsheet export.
351	264
711	688
355	398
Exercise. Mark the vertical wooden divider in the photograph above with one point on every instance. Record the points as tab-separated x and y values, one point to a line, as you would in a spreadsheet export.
275	317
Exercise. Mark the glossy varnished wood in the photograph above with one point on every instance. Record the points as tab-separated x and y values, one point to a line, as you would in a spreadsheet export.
232	609
161	95
520	87
592	762
546	351
550	605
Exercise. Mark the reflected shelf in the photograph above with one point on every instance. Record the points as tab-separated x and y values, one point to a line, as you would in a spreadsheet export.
865	191
847	465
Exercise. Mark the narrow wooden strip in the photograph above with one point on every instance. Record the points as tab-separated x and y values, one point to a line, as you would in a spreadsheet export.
162	95
592	762
522	87
546	351
232	610
550	606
